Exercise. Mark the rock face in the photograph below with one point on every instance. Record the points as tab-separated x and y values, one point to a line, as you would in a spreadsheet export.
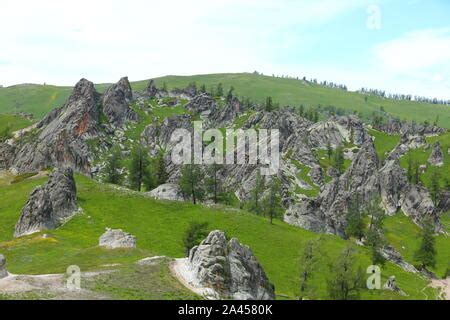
50	205
113	239
167	191
151	90
3	272
437	156
60	139
116	103
230	269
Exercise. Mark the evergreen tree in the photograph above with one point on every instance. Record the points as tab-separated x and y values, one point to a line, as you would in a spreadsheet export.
355	219
375	235
213	181
338	160
149	179
256	194
139	163
426	254
112	168
272	203
191	182
269	104
161	174
301	110
203	88
435	188
346	282
308	263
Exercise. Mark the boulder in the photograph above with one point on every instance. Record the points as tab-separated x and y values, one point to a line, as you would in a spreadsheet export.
391	285
50	205
168	191
437	155
3	272
116	238
230	269
116	103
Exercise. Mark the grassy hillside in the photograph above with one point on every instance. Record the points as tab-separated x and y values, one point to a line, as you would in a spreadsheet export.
40	99
10	123
159	227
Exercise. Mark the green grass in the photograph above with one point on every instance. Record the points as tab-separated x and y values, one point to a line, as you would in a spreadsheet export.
159	227
405	236
10	123
32	98
384	143
39	99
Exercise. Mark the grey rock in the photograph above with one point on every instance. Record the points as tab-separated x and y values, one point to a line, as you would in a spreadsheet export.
391	285
61	138
116	238
316	175
3	272
437	155
229	268
6	155
151	89
416	203
116	103
393	181
50	205
168	191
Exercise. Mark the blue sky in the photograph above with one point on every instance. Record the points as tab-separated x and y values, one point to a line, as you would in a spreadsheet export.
396	45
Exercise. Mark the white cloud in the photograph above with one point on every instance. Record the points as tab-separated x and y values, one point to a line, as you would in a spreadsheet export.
415	51
60	41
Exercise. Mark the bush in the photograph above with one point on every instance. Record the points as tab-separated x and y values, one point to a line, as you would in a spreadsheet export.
194	234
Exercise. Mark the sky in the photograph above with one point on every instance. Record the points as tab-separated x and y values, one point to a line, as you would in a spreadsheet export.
401	46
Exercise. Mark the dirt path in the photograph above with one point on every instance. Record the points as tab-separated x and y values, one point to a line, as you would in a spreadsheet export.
444	286
45	286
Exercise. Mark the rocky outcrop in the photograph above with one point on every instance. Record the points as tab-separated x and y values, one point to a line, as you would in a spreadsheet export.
50	205
113	239
437	156
6	155
407	142
416	203
395	126
393	182
202	103
391	285
61	136
3	272
151	90
116	101
230	269
167	191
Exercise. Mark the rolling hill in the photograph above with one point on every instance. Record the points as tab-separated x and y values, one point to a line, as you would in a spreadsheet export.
39	99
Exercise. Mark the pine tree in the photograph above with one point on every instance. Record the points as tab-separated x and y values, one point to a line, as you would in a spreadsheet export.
160	169
269	104
338	160
139	163
435	187
375	235
213	181
191	182
272	203
230	95
426	254
149	179
256	194
355	219
346	282
308	263
112	174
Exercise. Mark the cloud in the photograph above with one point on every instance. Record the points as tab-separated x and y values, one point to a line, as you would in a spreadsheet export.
58	42
415	51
